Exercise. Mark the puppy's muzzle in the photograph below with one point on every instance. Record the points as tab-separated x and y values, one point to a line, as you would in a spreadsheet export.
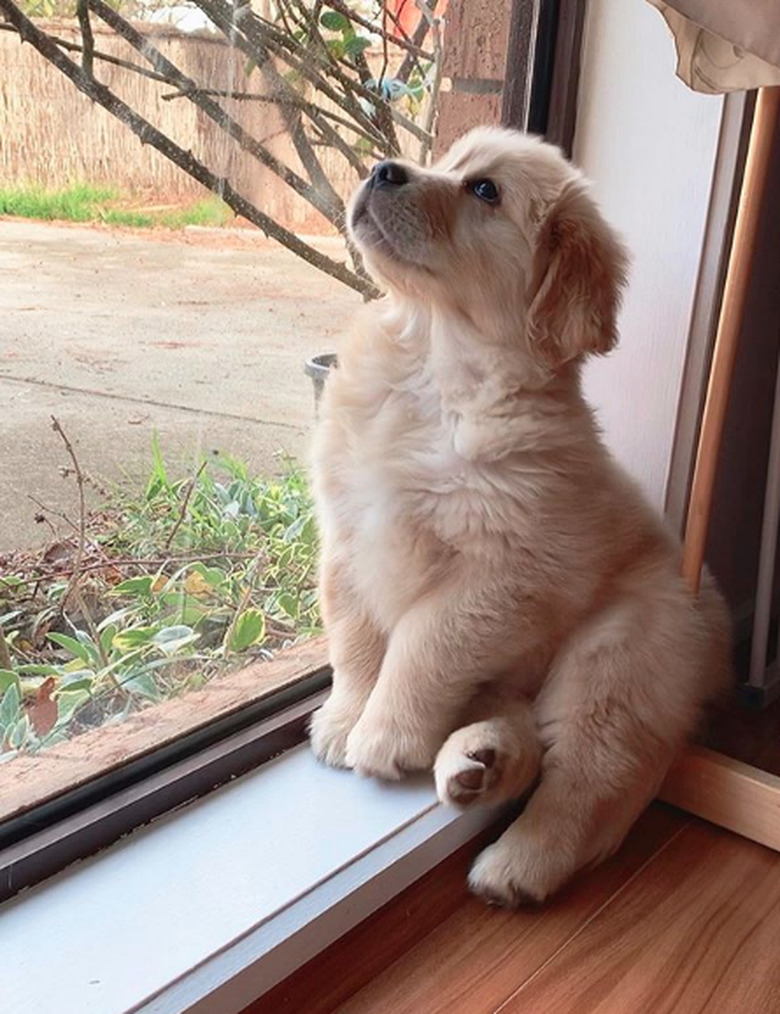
387	176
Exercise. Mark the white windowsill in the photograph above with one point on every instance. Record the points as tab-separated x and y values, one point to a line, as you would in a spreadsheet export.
214	904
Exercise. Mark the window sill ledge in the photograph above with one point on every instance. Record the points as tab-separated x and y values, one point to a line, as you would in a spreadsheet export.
212	905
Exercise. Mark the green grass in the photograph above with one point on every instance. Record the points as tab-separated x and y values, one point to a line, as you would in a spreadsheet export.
82	202
77	203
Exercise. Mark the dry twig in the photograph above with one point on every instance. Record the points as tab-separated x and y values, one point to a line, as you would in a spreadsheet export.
82	527
245	598
116	61
185	504
52	573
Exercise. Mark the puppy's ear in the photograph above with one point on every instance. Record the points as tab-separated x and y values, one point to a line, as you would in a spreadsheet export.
579	273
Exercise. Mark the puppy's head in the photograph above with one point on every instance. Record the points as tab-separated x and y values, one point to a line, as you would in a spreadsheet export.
502	230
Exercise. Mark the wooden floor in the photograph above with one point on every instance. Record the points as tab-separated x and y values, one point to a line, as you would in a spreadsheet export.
686	918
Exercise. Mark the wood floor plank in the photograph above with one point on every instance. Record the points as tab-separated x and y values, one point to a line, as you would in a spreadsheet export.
695	933
477	957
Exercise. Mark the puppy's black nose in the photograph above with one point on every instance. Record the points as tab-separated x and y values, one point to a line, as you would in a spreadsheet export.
389	174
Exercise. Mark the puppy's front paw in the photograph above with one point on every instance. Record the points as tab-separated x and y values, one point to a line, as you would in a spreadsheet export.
387	749
475	765
330	726
518	870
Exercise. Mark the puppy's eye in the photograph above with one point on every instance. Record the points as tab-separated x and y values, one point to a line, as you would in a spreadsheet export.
485	190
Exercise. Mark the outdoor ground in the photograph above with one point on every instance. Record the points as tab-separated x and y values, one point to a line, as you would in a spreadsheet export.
198	335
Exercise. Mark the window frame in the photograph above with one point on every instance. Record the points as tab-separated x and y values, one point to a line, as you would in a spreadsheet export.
39	842
540	89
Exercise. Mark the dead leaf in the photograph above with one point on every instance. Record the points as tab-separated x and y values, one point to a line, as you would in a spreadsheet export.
196	584
43	710
59	554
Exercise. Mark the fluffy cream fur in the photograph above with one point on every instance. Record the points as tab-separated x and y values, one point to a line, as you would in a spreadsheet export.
501	604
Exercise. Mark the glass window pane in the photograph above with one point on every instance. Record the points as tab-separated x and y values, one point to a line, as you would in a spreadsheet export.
168	307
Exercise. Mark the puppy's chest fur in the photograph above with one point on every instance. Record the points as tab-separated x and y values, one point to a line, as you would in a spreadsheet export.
398	502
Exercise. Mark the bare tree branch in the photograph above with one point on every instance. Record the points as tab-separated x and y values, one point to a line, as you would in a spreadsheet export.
423	27
318	117
82	530
409	45
329	205
88	41
316	72
433	103
263	41
291	114
149	134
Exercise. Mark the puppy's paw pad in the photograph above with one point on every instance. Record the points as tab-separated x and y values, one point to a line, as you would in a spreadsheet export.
486	762
486	756
480	772
464	778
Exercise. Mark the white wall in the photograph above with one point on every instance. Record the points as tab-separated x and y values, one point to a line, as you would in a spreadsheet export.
649	145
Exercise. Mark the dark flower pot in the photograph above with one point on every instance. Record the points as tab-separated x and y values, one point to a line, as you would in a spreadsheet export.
318	368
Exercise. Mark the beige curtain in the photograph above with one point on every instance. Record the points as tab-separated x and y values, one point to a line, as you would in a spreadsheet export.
725	45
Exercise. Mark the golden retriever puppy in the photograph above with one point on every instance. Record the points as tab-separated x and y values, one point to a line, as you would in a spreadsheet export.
501	604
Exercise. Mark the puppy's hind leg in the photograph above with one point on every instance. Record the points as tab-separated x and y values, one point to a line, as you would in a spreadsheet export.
493	759
615	710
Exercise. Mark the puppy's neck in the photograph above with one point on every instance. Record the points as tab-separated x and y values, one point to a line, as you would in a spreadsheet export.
496	396
465	359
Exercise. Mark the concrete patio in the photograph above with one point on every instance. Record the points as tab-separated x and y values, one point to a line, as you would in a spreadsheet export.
199	336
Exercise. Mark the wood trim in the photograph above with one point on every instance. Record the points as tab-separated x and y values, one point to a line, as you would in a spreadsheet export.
721	789
543	68
728	793
729	329
32	779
